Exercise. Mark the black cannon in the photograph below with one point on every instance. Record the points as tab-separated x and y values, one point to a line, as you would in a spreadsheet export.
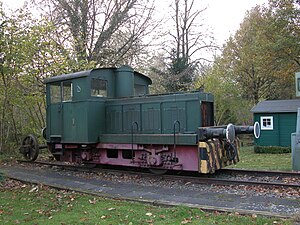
228	132
227	136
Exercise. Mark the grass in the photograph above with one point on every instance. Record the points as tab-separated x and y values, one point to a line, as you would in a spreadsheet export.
251	160
26	204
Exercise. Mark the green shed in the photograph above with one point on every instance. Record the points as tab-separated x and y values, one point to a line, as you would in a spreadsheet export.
277	120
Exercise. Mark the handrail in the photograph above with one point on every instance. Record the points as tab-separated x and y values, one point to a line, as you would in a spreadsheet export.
174	134
137	129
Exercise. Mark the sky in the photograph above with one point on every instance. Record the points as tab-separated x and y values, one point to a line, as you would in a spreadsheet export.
225	16
222	16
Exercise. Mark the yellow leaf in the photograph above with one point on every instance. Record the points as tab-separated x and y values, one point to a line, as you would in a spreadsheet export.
110	209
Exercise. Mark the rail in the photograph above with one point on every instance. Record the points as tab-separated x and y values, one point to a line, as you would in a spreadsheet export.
184	177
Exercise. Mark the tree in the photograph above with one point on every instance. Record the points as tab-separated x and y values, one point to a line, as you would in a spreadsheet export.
28	55
230	106
264	53
107	32
180	74
257	63
283	35
188	40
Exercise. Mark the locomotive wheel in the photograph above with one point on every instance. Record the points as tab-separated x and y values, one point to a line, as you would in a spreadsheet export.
53	156
56	157
30	148
158	171
90	165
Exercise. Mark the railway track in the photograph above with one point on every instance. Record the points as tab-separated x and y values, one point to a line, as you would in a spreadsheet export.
232	177
260	172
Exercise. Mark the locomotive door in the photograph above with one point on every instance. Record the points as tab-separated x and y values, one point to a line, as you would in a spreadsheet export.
207	114
66	97
60	94
54	111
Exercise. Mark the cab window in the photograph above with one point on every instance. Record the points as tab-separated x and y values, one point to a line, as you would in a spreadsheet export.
139	89
98	87
59	93
55	93
67	91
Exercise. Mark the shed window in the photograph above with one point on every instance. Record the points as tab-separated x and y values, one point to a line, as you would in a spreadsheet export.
266	122
98	88
55	93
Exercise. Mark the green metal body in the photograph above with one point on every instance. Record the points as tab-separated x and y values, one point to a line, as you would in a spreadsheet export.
124	82
112	105
160	114
148	139
106	116
283	125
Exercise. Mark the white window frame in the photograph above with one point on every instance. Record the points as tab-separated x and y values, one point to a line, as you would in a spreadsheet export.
268	127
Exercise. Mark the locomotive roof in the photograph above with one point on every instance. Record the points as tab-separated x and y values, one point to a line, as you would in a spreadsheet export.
68	76
86	73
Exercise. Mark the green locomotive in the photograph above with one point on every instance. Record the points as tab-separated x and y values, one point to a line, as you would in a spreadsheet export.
107	116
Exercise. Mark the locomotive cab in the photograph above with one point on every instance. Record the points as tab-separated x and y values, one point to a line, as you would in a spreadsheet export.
76	102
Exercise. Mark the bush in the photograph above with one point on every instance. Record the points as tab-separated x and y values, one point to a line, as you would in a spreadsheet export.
272	149
2	177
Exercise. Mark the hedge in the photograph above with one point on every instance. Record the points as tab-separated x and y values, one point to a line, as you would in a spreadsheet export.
272	149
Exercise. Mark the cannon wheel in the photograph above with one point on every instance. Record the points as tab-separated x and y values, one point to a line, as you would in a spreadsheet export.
30	148
230	150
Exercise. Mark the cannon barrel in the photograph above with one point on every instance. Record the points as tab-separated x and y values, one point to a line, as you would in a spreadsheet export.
255	130
244	129
211	132
228	132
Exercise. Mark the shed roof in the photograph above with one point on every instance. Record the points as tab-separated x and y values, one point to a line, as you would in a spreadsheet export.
277	106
